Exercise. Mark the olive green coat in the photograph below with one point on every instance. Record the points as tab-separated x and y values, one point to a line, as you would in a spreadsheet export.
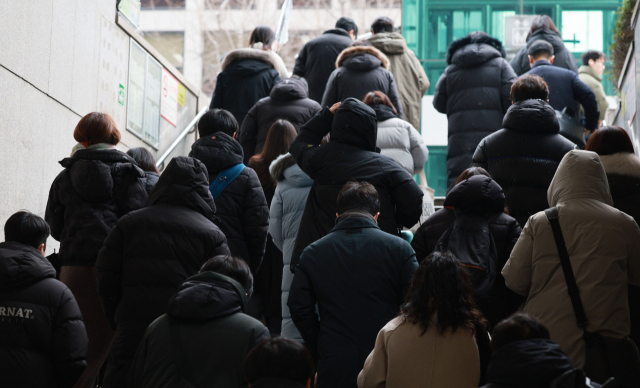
589	77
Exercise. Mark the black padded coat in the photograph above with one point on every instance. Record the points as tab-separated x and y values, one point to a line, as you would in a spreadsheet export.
87	198
474	92
242	211
349	155
563	57
288	100
43	342
149	253
524	155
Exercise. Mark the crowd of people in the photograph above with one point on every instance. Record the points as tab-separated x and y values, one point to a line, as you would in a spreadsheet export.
272	256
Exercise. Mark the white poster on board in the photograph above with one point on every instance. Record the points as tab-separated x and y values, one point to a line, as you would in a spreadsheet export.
169	104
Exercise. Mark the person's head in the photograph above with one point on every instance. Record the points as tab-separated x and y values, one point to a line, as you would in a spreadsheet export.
280	358
382	24
279	138
540	22
441	286
231	267
96	128
143	157
517	327
28	229
471	171
610	140
529	87
264	35
348	25
540	50
594	59
217	120
358	197
378	98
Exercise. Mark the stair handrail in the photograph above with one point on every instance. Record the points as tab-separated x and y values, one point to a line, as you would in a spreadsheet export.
182	135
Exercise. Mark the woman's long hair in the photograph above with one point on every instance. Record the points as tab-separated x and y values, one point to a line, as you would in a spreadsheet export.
378	98
264	35
610	140
281	134
441	286
143	157
542	21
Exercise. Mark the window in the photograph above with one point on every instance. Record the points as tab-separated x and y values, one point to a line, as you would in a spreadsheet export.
169	44
161	4
498	24
582	30
465	22
145	83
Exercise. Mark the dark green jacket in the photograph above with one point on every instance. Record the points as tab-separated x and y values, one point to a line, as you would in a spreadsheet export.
214	337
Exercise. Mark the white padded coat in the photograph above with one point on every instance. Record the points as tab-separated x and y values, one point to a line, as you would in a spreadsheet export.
400	141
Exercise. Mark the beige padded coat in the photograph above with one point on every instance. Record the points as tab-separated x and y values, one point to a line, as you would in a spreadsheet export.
604	248
405	358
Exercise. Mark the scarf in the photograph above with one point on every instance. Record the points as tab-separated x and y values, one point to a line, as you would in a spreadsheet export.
354	213
97	146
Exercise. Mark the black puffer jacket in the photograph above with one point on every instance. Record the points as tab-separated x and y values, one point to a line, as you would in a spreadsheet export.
563	57
481	196
215	336
151	252
289	101
474	92
360	70
317	60
247	76
524	155
151	178
243	214
43	342
350	155
96	188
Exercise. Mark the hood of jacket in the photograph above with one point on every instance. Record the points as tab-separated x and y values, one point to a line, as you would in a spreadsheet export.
356	124
22	265
474	50
90	172
527	364
535	116
589	71
290	89
621	163
285	168
478	195
248	61
390	43
580	175
362	58
185	182
217	152
547	35
383	112
206	296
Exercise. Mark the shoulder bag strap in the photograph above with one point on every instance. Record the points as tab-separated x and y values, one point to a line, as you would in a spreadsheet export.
224	178
572	287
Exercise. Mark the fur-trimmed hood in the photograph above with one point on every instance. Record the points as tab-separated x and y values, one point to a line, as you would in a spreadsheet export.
621	163
348	57
474	49
285	168
250	53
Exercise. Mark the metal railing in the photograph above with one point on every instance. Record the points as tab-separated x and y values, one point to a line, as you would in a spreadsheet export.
182	135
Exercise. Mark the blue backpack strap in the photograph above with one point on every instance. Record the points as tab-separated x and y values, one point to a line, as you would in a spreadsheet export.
224	178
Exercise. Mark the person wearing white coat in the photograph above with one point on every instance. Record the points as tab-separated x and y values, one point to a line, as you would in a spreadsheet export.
286	211
397	139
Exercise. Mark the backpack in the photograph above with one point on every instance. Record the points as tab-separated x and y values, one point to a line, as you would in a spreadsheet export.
224	178
471	242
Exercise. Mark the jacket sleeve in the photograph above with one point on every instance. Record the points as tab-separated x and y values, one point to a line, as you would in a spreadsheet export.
330	95
54	215
301	63
517	271
513	299
109	268
587	99
248	134
407	196
258	336
130	192
480	157
394	96
407	270
219	245
440	95
275	219
633	263
255	221
603	104
302	306
374	371
420	245
423	80
419	150
517	62
508	77
216	99
136	373
70	342
309	138
572	64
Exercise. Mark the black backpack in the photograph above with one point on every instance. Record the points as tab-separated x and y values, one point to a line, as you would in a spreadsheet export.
471	242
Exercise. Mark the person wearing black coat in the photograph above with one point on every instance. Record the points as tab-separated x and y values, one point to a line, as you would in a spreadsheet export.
524	155
564	57
289	101
351	154
474	93
359	70
247	75
43	342
358	277
317	59
150	253
243	213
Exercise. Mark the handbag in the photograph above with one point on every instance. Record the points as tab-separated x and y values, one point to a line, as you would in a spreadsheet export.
606	356
427	201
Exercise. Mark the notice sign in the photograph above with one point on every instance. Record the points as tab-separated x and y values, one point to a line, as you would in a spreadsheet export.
169	103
